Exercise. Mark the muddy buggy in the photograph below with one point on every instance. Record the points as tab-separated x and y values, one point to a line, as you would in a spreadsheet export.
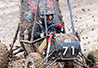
53	50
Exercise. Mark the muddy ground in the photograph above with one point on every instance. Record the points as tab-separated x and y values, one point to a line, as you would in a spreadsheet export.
85	17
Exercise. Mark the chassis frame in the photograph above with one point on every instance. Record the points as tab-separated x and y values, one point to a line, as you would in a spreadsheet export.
75	60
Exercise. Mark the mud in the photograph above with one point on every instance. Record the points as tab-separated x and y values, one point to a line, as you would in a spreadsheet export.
36	59
17	63
67	36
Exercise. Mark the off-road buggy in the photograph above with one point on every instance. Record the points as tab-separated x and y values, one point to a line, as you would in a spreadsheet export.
51	51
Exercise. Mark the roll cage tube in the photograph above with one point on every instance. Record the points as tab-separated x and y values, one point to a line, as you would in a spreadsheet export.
35	18
45	17
69	5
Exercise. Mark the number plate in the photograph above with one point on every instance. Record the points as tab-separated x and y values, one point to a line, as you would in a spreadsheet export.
66	49
70	50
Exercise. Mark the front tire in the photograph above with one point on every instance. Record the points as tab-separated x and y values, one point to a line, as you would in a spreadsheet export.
94	58
3	56
34	60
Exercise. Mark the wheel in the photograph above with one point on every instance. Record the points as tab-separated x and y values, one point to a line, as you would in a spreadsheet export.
94	58
17	63
34	60
3	56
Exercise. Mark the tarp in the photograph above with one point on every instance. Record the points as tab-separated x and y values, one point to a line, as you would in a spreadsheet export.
33	4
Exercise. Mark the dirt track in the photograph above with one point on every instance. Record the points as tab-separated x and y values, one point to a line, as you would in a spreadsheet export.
9	19
85	15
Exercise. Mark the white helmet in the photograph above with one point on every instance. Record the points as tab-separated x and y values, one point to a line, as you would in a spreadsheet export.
47	9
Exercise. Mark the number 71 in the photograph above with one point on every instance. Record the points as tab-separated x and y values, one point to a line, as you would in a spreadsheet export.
66	48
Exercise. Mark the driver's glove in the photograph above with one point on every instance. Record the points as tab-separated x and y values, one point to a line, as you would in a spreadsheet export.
58	25
42	35
59	28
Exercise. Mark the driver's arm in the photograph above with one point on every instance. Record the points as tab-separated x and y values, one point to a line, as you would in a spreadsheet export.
37	32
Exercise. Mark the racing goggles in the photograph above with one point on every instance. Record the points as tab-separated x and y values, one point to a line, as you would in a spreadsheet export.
48	17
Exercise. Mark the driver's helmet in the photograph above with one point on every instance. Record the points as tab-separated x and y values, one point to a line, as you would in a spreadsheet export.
49	14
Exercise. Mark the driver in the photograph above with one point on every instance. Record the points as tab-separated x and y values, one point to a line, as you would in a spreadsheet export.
39	29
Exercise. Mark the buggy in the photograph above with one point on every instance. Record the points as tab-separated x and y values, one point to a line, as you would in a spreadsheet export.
53	50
